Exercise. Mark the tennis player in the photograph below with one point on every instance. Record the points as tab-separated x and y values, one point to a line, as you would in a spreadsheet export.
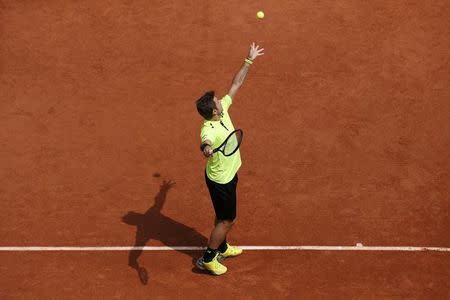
221	171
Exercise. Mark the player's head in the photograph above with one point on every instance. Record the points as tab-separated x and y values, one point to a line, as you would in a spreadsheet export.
209	106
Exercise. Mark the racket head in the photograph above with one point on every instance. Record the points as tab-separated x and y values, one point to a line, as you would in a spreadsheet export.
231	143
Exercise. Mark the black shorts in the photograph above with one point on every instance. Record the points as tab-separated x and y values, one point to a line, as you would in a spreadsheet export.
223	197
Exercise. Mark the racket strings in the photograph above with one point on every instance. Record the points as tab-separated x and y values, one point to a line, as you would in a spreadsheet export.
232	143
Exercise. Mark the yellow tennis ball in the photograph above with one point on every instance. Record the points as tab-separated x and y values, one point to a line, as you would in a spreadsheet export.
260	14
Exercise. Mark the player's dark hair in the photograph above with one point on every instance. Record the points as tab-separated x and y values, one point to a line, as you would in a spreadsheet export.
206	105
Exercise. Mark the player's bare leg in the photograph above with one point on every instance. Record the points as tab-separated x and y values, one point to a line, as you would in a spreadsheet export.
219	233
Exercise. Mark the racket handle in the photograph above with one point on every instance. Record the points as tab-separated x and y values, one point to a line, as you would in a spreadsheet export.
203	146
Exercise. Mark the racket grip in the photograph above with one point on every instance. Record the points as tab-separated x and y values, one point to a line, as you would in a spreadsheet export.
203	146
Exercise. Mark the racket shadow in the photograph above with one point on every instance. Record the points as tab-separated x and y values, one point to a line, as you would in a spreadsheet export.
154	225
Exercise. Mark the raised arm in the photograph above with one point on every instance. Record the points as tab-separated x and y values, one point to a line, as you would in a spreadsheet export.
255	51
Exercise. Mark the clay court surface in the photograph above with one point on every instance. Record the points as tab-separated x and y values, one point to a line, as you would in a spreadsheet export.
347	140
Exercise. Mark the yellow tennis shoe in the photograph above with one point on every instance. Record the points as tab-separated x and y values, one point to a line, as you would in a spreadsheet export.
214	266
230	252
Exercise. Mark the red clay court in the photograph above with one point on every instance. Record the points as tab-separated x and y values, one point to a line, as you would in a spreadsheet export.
347	141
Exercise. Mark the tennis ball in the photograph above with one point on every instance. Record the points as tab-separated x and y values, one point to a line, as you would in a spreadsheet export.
260	14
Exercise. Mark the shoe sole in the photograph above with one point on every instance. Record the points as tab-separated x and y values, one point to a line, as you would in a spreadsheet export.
199	265
199	262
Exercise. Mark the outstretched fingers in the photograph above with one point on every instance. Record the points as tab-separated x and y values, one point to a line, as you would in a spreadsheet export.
255	51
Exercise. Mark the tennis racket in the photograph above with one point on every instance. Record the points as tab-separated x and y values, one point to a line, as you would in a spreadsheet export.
231	143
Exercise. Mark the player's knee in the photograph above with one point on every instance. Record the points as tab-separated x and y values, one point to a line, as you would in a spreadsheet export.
228	223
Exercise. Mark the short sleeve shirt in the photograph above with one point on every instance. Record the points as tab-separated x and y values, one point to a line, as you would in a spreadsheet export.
220	168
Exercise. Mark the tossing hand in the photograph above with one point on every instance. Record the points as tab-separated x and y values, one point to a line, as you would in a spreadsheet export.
255	51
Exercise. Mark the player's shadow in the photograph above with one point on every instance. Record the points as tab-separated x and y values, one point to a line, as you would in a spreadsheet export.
154	225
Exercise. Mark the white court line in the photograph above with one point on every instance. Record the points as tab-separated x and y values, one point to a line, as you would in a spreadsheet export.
251	248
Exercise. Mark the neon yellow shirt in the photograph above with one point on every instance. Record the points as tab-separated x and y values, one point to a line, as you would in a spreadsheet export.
220	168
